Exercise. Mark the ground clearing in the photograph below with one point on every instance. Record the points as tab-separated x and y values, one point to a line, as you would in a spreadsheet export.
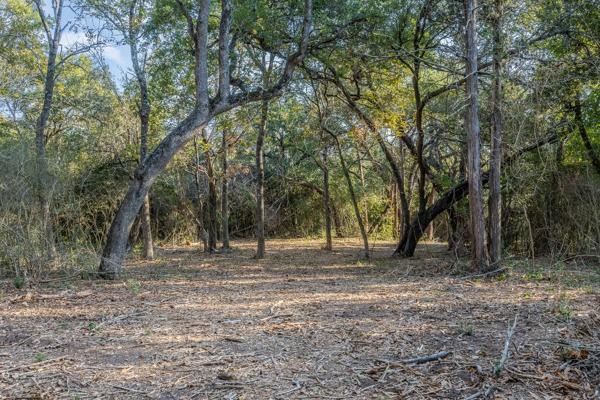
302	324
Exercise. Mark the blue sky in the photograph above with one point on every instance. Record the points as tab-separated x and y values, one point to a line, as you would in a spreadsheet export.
116	56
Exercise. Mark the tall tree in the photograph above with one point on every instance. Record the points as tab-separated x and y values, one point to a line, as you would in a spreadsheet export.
53	37
205	109
212	225
478	253
225	192
266	67
129	19
495	196
326	196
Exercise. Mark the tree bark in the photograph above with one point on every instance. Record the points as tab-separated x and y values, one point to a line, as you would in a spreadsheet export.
326	201
199	200
495	199
408	243
225	196
144	115
212	225
584	135
260	182
478	254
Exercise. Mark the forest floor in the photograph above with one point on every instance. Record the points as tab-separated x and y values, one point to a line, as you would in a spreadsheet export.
304	324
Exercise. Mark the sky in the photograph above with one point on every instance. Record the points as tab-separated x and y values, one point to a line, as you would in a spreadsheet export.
116	56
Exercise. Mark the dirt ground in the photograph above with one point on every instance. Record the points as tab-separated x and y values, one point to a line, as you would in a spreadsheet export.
304	324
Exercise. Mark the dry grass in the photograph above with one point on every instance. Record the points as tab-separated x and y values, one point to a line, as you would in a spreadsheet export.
301	324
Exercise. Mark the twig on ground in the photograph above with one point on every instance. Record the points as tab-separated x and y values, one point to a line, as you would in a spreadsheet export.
409	361
297	386
488	274
506	352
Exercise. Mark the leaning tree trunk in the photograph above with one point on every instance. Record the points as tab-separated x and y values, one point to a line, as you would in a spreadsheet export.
584	135
478	255
205	109
326	201
407	245
225	196
260	182
116	240
495	199
361	225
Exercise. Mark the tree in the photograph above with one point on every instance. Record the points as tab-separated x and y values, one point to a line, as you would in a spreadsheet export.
266	67
495	196
128	18
205	109
225	192
478	254
53	29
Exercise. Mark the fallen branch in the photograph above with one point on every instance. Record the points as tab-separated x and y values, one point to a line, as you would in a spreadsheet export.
409	361
506	352
488	274
425	359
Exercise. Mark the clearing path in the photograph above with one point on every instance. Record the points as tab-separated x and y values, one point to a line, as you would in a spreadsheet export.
303	324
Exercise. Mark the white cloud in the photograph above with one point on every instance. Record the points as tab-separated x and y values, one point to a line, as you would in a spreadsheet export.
69	39
117	55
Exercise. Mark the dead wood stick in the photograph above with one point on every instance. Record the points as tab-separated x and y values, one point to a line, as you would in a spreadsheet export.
506	352
425	359
297	386
37	364
484	275
129	389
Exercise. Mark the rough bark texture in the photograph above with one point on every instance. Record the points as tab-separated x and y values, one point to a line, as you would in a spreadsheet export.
495	199
478	254
225	196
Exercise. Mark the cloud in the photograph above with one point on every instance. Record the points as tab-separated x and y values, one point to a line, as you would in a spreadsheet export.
117	55
69	39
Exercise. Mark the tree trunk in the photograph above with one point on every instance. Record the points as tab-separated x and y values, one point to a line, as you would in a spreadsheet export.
365	204
212	225
147	229
326	201
478	254
225	196
43	173
361	226
199	200
144	115
495	200
204	110
408	243
260	182
584	135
